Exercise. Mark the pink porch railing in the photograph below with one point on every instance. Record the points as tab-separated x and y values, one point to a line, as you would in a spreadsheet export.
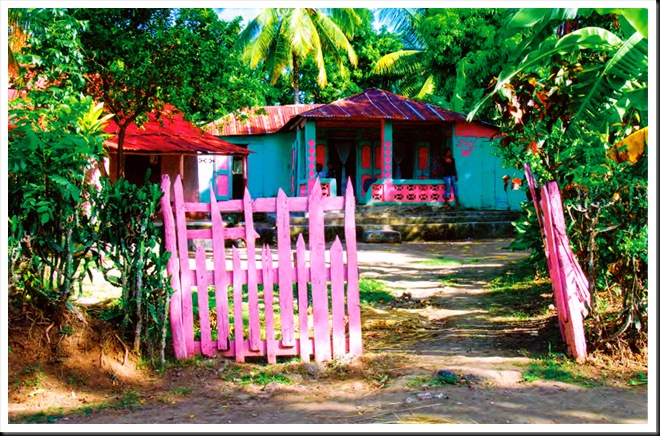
407	191
277	321
569	284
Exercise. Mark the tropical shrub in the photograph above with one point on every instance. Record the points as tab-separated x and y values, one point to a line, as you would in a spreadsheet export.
132	257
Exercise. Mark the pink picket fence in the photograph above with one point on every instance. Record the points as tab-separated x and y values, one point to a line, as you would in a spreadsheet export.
569	284
307	305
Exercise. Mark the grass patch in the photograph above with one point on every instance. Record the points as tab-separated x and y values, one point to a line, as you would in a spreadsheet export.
263	378
441	261
557	367
519	294
639	379
374	292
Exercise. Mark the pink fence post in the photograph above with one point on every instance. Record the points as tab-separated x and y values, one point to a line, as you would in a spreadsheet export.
176	322
574	306
184	264
301	268
352	285
220	275
267	266
238	306
203	301
254	324
322	350
285	270
337	292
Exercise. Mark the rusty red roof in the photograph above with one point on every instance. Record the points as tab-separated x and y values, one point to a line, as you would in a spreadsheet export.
175	135
255	123
375	103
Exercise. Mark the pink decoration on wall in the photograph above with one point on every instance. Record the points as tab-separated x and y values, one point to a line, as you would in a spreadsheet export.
466	147
311	157
387	170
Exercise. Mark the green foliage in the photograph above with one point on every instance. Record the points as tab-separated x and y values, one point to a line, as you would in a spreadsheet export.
129	241
557	367
450	54
264	377
586	93
50	233
374	292
281	39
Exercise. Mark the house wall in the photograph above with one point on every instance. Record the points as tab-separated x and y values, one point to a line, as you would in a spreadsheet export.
269	166
480	173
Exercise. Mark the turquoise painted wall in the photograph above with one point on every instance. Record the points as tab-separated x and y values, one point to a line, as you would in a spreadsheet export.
269	166
480	175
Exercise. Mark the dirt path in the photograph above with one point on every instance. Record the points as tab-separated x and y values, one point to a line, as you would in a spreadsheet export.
453	331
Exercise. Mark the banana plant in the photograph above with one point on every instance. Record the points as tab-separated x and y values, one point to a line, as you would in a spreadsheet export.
602	93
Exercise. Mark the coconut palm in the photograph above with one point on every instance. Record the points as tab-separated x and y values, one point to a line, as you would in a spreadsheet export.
282	38
409	64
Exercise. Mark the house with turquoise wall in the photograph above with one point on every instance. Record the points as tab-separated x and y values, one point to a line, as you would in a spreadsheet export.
388	145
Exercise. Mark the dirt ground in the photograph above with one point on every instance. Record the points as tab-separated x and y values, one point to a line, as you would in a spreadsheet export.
450	329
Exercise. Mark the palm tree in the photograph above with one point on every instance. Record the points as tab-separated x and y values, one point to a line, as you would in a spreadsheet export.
283	37
416	78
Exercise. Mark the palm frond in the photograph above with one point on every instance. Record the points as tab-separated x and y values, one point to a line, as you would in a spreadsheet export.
400	62
332	36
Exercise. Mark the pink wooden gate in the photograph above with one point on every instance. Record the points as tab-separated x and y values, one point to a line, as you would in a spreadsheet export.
569	284
332	330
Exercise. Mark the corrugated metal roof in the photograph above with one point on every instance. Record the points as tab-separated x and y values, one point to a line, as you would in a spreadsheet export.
270	122
175	135
378	104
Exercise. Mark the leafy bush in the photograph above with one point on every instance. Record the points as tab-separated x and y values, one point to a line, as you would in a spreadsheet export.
128	238
50	232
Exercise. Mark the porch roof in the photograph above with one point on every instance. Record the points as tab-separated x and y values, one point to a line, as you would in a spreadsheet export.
254	121
375	103
174	136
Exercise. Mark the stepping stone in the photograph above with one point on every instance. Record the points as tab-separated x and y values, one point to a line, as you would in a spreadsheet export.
381	236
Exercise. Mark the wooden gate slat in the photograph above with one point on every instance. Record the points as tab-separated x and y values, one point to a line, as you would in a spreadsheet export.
322	351
203	301
305	348
337	292
269	316
176	320
352	285
254	326
220	281
238	306
320	331
285	270
184	265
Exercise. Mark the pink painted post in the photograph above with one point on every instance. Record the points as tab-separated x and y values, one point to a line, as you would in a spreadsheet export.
238	306
254	325
571	293
267	266
301	269
337	292
203	301
186	275
322	351
285	270
176	321
555	275
352	287
220	275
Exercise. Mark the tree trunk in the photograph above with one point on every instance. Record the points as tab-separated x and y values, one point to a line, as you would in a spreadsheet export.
296	81
120	151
